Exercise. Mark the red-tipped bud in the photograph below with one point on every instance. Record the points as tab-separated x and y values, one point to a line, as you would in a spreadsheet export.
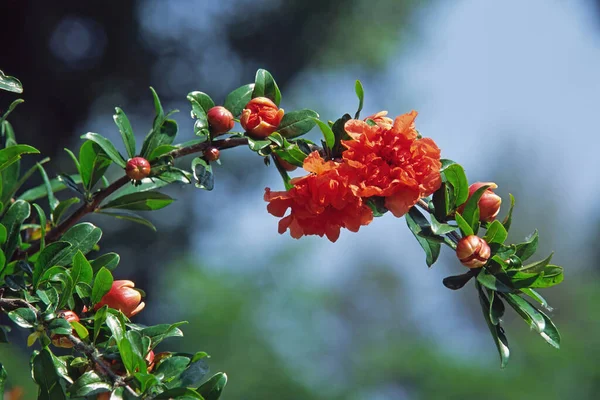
62	340
123	297
137	168
220	120
473	251
150	360
284	164
212	154
489	203
261	117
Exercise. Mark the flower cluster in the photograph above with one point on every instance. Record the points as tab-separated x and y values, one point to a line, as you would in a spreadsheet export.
383	159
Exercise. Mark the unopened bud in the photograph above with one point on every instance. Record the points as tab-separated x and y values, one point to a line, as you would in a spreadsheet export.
473	251
137	168
212	154
220	120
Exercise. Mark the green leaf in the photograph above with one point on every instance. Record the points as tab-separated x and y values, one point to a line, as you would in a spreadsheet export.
47	377
108	260
82	269
160	113
62	207
126	131
203	174
50	256
107	146
172	367
496	307
508	219
158	333
18	212
3	234
83	236
441	201
439	228
129	216
202	99
70	183
327	133
60	326
89	384
66	292
3	376
416	222
93	163
99	318
464	226
159	136
132	352
10	83
141	201
257	145
496	330
528	247
551	275
537	266
179	393
161	151
212	388
454	175
80	330
52	200
471	210
38	192
457	281
265	86
10	109
496	233
236	101
360	93
297	123
24	317
102	284
537	297
42	216
73	158
535	318
499	282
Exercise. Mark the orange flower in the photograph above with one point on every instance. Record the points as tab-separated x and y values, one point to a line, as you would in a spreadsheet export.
321	203
392	162
123	297
381	120
261	117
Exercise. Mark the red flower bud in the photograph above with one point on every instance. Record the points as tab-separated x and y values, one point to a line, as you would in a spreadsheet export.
212	154
284	164
220	120
62	340
473	251
137	168
261	117
150	360
489	203
123	297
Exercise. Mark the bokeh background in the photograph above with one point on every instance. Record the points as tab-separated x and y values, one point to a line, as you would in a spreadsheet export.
509	89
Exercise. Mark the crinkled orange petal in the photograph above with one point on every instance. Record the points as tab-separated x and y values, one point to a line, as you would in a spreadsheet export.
400	202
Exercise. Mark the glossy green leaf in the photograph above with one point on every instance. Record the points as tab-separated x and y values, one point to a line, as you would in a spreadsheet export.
129	216
43	222
551	275
160	113
126	131
108	260
499	282
172	367
83	237
297	123
471	210
236	101
203	174
327	133
60	326
537	297
464	226
416	221
458	281
82	269
159	136
107	146
454	175
204	100
73	158
508	219
265	86
102	284
18	212
496	307
360	93
47	377
80	330
132	352
158	333
93	163
24	317
10	83
39	192
212	389
63	207
99	318
441	201
50	256
89	384
141	201
70	183
528	312
496	233
161	151
201	127
537	266
496	330
52	200
3	234
193	374
439	228
528	247
66	291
